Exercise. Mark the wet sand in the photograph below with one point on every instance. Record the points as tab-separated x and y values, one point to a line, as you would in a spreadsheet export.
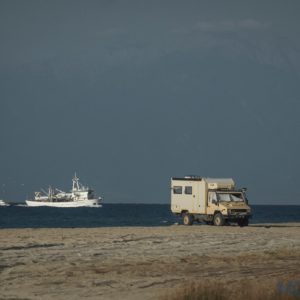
139	262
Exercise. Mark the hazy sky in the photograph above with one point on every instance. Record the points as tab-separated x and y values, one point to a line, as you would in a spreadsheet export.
130	93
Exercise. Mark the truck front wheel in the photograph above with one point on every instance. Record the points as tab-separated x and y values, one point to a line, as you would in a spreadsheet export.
243	222
188	219
218	219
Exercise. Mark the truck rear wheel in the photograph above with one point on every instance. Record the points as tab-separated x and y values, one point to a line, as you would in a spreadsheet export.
218	219
188	219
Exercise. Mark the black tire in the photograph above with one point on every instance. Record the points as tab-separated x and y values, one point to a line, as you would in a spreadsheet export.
188	219
243	222
218	219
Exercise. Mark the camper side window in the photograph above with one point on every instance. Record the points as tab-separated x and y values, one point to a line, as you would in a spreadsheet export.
177	189
188	190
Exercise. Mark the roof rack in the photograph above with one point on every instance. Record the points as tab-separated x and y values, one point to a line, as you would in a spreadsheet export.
188	177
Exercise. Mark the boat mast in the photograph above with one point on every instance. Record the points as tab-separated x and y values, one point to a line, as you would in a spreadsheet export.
50	193
75	180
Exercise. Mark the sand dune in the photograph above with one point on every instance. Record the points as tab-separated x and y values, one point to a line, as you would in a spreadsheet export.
140	262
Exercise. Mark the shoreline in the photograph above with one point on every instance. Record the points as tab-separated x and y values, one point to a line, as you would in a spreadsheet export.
177	224
141	262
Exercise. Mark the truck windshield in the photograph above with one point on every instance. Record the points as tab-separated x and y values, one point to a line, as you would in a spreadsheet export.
230	197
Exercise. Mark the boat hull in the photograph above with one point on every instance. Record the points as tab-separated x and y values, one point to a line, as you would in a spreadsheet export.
79	203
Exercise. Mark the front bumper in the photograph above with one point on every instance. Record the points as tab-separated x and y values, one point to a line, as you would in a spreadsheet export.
238	215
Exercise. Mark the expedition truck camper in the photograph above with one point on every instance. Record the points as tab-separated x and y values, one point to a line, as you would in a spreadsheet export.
210	200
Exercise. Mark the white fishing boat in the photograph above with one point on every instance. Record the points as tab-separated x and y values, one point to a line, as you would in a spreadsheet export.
78	197
2	203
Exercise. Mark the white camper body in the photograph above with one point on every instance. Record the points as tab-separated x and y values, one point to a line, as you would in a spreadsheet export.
201	199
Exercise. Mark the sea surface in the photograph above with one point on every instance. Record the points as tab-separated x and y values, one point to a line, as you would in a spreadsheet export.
16	216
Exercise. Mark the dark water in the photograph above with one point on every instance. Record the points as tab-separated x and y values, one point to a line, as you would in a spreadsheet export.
122	215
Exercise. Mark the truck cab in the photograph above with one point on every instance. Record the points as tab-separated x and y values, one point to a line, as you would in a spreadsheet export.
210	200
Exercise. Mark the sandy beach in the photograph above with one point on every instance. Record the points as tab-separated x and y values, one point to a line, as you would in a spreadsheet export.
139	262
